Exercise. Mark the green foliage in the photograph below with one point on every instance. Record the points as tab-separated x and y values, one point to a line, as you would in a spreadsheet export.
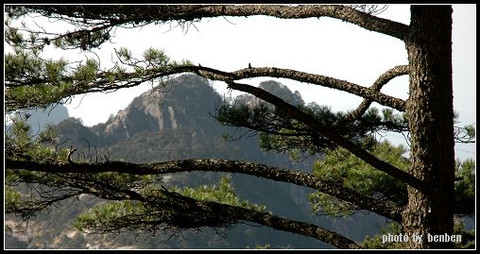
153	61
465	134
43	190
47	188
22	64
279	131
155	57
110	214
470	129
12	196
20	144
156	209
86	73
34	82
222	193
465	187
341	166
84	40
468	236
124	54
376	242
321	202
388	115
13	36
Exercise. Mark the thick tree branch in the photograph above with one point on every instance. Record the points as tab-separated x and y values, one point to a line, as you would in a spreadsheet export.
383	208
174	210
321	80
102	84
185	13
325	81
279	223
191	213
377	85
389	75
348	145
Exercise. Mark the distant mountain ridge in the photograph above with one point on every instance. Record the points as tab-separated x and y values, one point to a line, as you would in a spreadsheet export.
183	103
174	122
39	118
181	109
179	104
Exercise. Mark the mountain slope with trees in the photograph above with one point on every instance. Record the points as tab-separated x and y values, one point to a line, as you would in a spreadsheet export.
136	198
195	134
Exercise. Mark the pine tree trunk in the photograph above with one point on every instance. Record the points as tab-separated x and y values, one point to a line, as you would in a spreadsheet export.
430	114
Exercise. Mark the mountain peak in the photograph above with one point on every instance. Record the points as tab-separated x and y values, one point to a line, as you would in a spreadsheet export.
184	104
180	103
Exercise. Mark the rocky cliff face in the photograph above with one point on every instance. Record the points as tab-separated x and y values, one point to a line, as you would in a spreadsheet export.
184	104
181	104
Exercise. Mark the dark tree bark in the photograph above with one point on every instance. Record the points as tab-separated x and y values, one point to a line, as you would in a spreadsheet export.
384	208
430	112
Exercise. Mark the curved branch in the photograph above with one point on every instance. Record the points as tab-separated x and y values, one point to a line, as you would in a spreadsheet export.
325	81
191	213
389	75
184	13
176	210
340	12
377	85
345	143
342	85
383	208
283	224
102	84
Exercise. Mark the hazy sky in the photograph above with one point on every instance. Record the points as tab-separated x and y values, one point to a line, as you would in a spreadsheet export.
323	46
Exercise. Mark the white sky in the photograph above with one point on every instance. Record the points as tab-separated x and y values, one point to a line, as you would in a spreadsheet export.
324	46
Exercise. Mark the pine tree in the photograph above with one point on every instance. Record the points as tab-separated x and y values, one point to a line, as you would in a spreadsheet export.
418	193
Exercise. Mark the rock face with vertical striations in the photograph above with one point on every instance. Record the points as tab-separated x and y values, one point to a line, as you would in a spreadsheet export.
178	105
